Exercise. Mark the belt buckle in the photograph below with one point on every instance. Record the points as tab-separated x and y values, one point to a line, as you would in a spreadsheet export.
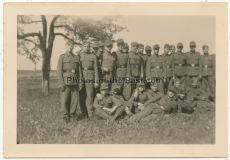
73	71
192	65
180	64
86	68
157	67
206	66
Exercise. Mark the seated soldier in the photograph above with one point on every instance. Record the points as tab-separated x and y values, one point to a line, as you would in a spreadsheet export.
108	107
186	104
202	97
166	104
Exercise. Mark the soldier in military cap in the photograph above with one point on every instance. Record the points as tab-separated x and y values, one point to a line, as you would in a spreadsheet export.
148	50
172	49
90	73
100	57
69	70
179	59
208	71
125	48
143	56
155	67
194	64
108	65
95	47
123	69
136	63
169	67
109	107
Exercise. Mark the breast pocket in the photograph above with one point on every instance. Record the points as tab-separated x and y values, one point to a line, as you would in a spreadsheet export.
66	64
91	63
153	63
132	61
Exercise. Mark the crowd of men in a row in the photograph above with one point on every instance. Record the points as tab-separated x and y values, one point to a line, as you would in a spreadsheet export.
188	80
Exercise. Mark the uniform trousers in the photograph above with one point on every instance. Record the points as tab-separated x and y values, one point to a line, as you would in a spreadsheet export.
103	114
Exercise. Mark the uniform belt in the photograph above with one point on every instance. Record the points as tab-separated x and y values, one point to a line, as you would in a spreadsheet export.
87	69
134	65
124	66
159	67
168	66
193	65
180	65
206	66
70	71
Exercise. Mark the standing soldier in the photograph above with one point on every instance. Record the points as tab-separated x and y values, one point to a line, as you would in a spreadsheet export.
69	68
136	64
172	49
121	69
155	68
143	56
208	72
194	64
179	59
99	60
108	65
148	51
169	67
90	73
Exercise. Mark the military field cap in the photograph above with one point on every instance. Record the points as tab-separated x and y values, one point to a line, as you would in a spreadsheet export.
153	84
172	89
172	46
156	46
179	45
176	80
140	84
126	45
108	43
194	80
101	44
69	42
120	41
85	42
192	44
104	86
205	46
140	45
148	48
166	46
115	86
94	45
134	44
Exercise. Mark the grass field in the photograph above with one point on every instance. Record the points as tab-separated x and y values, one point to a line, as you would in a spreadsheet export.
38	122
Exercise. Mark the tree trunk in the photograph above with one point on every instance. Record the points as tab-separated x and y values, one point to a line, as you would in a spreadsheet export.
46	73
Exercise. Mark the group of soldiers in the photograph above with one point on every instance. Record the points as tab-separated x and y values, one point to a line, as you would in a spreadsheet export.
188	80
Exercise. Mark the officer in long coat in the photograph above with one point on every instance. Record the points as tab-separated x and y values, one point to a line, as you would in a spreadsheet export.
68	71
155	68
90	73
194	65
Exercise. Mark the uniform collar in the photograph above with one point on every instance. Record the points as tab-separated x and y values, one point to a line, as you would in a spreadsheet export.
206	54
156	55
69	53
192	52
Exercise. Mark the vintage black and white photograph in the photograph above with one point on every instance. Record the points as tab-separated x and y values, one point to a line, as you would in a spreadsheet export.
116	79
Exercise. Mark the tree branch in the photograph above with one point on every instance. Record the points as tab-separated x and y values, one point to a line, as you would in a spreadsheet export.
61	34
30	22
27	35
29	40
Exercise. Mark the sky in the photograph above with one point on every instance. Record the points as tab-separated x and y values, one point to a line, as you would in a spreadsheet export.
148	30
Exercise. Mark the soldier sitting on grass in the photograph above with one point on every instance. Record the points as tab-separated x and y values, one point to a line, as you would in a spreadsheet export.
108	107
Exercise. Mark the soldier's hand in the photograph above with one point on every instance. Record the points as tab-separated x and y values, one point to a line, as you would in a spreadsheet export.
96	85
63	88
165	80
106	69
139	104
80	87
173	78
141	75
135	93
113	110
199	77
142	108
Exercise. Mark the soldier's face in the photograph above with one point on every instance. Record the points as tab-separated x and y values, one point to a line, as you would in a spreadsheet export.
95	49
124	50
69	47
156	51
141	50
182	96
141	89
154	88
86	48
134	49
205	50
170	94
166	50
104	92
177	84
194	84
101	48
172	50
192	48
179	49
108	48
121	46
148	52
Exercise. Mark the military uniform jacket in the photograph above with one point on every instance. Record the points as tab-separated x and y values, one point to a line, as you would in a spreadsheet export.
107	102
208	64
194	65
108	61
187	104
68	66
197	93
179	60
122	66
168	103
155	67
169	65
89	65
136	64
144	59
